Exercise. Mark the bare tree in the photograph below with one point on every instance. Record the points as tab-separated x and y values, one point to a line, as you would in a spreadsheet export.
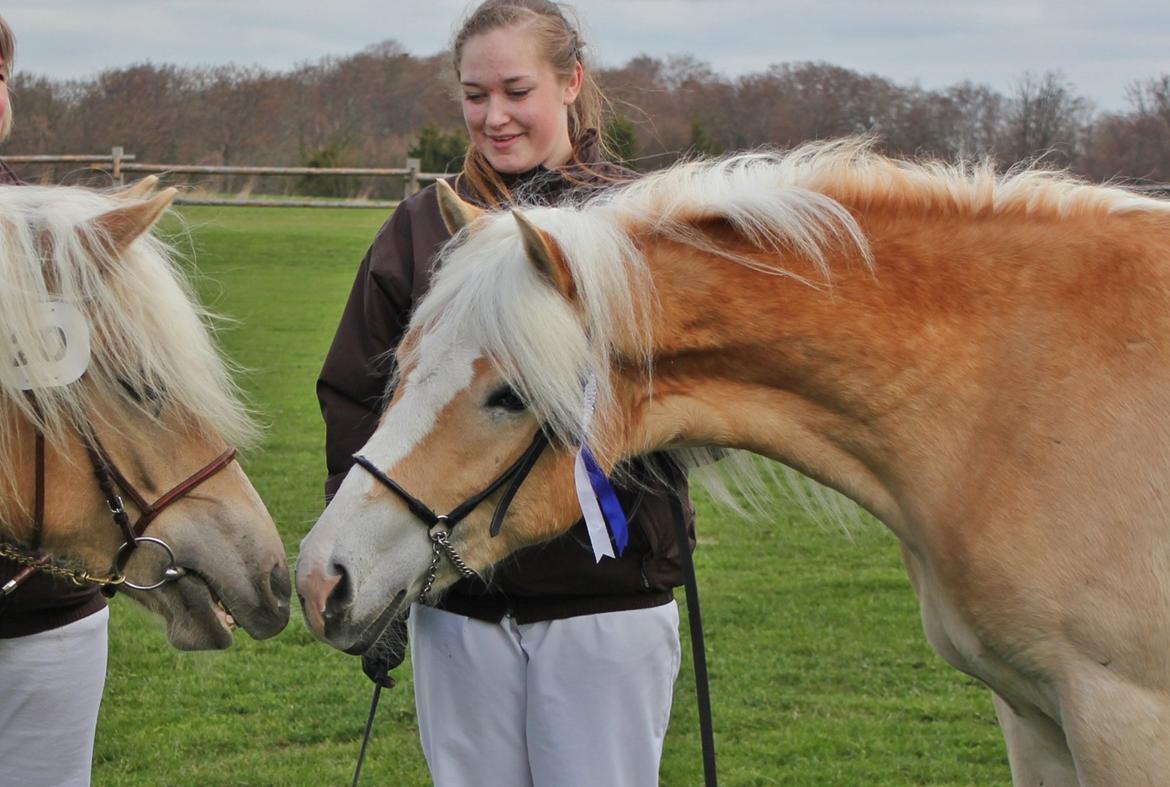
369	108
1134	145
1045	118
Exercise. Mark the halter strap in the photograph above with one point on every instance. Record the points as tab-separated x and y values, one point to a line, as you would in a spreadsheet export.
516	473
25	572
108	476
148	512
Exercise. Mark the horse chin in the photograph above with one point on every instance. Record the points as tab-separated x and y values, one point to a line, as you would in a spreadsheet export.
374	631
200	615
195	618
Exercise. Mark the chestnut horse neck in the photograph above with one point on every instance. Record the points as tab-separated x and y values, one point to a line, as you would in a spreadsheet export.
830	308
878	381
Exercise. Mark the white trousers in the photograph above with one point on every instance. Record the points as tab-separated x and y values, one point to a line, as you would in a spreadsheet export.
50	690
582	701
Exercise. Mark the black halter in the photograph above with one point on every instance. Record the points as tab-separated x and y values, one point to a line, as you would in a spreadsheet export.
515	473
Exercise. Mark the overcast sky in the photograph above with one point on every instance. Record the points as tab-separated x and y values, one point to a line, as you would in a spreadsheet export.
1100	46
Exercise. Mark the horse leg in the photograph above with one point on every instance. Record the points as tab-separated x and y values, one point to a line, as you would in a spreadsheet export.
1119	732
1037	751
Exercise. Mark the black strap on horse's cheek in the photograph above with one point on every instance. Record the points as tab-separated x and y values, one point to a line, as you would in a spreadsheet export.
523	468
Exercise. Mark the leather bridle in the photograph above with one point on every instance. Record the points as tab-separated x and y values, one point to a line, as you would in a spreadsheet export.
439	525
113	481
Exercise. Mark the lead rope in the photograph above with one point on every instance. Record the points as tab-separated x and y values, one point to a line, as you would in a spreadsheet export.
695	619
357	772
383	679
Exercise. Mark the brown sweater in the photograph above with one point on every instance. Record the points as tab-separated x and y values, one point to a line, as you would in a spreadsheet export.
42	602
557	579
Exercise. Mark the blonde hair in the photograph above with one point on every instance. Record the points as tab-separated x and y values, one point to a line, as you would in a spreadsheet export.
8	54
559	40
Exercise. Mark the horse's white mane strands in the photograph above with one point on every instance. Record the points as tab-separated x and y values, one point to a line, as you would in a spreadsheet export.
148	333
489	290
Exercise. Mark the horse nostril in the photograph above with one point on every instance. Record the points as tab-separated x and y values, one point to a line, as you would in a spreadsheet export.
340	595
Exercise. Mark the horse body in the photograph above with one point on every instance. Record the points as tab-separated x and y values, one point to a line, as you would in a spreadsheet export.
152	392
1006	411
983	364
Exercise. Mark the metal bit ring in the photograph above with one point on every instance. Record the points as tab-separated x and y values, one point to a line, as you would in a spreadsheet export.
170	574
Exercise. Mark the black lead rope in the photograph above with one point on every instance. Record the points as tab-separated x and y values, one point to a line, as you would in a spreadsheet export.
514	475
357	772
695	618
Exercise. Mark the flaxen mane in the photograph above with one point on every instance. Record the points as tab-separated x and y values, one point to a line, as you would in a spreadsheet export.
151	346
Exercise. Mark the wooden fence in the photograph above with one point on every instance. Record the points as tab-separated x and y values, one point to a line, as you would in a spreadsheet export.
119	164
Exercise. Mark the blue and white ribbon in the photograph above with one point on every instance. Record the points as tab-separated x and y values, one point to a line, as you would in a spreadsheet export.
599	502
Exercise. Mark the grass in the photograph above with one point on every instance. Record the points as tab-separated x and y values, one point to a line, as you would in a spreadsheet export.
820	673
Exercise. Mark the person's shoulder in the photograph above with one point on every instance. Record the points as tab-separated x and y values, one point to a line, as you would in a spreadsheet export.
421	201
422	205
415	220
618	173
585	180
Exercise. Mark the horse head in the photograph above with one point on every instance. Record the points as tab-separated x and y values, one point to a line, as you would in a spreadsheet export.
462	414
110	378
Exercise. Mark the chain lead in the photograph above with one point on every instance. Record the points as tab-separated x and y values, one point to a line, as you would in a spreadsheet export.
441	539
47	566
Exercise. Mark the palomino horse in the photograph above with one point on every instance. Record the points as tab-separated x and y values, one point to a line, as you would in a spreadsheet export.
981	362
111	387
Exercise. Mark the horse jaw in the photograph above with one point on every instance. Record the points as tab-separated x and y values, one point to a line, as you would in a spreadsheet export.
234	569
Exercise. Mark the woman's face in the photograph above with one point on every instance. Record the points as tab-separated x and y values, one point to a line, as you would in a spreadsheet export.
514	105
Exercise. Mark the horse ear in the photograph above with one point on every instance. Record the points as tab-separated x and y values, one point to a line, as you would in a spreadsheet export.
543	253
457	213
120	227
138	190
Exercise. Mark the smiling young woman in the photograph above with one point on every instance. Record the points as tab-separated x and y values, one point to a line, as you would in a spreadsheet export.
559	671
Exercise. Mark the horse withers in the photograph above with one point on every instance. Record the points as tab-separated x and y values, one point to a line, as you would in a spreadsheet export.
981	361
118	420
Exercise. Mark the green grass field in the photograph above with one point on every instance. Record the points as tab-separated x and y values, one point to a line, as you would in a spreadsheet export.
820	673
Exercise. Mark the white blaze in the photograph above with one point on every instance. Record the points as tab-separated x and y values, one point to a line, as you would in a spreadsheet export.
382	546
428	388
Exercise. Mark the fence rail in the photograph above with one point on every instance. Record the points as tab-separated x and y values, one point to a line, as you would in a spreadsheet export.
65	159
263	202
119	164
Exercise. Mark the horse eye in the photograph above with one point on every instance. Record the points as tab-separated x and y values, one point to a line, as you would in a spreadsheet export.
505	398
144	396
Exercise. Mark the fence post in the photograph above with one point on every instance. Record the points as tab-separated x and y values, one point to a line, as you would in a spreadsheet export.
116	169
411	187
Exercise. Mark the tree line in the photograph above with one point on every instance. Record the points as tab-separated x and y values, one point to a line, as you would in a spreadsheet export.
376	107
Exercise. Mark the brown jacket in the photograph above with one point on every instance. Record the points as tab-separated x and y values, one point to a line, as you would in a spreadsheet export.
557	579
42	602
